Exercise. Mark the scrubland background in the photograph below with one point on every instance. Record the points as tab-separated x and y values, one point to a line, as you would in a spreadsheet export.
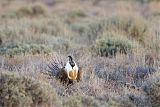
116	42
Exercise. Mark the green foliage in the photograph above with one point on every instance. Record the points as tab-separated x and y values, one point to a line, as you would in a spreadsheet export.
79	27
152	89
25	48
77	13
110	45
73	27
156	14
74	16
16	91
27	11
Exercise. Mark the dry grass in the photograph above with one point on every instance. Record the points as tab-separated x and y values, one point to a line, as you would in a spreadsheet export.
32	35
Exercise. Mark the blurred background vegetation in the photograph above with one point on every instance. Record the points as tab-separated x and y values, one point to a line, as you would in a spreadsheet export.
115	41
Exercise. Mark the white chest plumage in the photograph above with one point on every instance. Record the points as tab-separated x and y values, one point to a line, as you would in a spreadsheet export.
69	68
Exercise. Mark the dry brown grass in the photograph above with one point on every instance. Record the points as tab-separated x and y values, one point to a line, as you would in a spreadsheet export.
31	38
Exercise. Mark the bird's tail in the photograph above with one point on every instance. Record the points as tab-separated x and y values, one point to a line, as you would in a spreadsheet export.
55	65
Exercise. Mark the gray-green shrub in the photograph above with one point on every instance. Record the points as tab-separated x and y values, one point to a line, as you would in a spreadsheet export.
81	101
110	45
152	90
19	49
17	91
127	25
33	10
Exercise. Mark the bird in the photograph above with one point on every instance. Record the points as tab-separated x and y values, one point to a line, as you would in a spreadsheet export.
71	69
67	73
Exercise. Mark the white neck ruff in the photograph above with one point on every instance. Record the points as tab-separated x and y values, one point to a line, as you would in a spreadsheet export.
68	67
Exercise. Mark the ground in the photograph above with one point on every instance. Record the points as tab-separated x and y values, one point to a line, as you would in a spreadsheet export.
116	43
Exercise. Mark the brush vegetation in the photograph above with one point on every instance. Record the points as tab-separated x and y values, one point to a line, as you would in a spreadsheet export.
116	43
21	91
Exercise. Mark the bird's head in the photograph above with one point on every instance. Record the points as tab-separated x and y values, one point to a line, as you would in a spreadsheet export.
70	58
71	62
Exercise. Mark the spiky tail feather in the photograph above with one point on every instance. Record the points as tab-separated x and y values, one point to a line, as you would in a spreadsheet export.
55	66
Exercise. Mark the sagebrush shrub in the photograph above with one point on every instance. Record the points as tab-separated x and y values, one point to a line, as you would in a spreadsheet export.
127	25
16	91
92	30
36	9
118	101
81	101
77	13
139	100
42	31
141	73
152	89
112	100
51	26
79	27
19	49
131	26
110	45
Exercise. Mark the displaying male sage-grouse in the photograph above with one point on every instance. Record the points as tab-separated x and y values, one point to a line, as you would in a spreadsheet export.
66	73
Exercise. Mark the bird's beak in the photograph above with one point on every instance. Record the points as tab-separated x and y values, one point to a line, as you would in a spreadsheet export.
72	75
